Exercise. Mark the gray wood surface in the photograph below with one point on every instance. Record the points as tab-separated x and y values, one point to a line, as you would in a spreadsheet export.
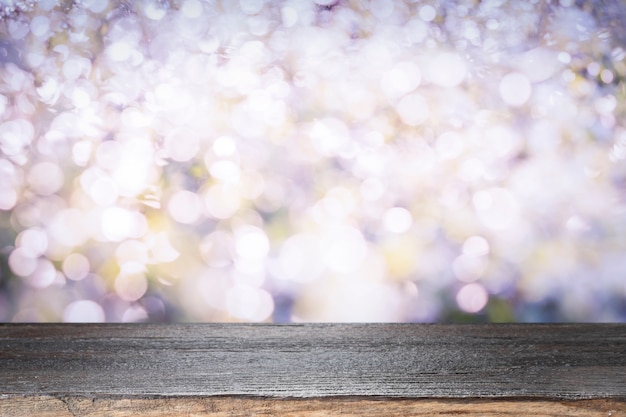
554	362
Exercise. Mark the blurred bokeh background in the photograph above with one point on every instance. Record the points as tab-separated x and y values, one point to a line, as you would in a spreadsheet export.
301	160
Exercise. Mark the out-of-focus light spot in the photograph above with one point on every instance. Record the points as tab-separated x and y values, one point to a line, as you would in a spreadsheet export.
539	64
475	246
209	45
427	13
403	78
73	68
4	101
161	250
369	163
96	6
497	208
118	224
372	189
132	251
212	288
44	274
67	124
222	200
568	75
607	76
397	220
181	145
252	186
265	109
503	141
355	301
618	54
81	153
576	224
18	28
224	146
335	206
251	243
472	298
413	109
131	283
237	76
134	314
103	190
471	32
250	272
40	26
515	89
135	167
191	9
469	268
216	249
154	11
185	207
69	227
108	154
15	135
299	259
49	91
45	178
249	303
472	169
119	51
594	69
447	69
606	105
76	266
8	197
254	51
33	242
544	136
382	9
84	311
25	105
226	171
401	255
449	145
410	289
415	31
134	118
27	315
564	57
154	306
329	136
289	16
346	250
21	263
452	197
251	6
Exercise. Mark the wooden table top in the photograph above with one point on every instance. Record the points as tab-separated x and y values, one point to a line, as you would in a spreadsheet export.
344	362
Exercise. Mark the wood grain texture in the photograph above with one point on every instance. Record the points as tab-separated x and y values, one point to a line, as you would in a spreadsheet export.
315	407
313	369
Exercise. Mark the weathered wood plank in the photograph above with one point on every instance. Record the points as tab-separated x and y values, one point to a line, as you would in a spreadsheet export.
395	360
349	369
308	407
